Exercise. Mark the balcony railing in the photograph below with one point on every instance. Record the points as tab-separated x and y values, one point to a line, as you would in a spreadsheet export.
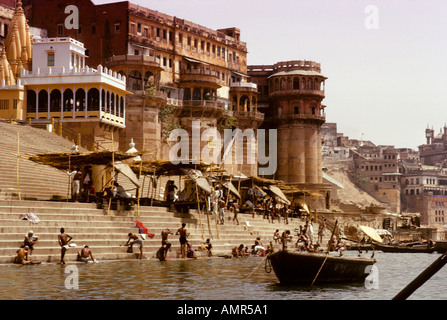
249	114
297	92
132	59
203	104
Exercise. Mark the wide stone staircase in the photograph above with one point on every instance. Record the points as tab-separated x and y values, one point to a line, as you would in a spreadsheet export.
105	231
35	182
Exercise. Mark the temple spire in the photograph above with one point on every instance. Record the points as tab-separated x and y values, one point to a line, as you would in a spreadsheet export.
18	42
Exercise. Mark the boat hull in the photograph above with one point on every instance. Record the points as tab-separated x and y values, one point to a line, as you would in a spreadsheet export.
302	268
403	249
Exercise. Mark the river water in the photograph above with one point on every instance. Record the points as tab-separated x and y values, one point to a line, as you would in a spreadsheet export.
206	279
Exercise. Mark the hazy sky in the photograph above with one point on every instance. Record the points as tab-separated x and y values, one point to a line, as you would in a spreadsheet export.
386	60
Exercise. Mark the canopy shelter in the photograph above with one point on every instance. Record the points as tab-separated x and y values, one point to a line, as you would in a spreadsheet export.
372	233
127	171
65	160
198	178
165	167
231	188
263	181
279	195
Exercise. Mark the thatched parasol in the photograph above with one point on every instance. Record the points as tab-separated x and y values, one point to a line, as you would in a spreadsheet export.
62	160
165	167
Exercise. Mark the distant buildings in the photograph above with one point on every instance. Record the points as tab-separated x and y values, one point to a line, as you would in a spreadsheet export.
408	181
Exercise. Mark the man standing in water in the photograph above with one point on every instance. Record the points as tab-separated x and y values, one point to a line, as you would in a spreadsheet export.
63	240
183	235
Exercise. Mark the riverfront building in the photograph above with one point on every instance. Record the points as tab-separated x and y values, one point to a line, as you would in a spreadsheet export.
180	75
178	71
291	95
46	81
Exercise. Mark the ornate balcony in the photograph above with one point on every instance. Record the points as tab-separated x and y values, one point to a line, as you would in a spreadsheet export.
203	77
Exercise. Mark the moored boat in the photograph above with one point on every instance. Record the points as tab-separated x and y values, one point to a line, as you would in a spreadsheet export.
423	248
305	268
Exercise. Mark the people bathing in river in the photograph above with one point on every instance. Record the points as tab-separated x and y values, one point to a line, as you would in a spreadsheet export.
190	252
258	248
30	241
85	255
164	235
135	239
285	237
276	236
22	257
63	240
183	239
162	253
208	247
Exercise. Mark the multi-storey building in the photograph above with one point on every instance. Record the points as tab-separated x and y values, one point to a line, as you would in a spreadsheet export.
434	152
171	65
378	172
47	81
424	190
334	146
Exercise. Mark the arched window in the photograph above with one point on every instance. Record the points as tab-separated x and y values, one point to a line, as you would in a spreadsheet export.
121	109
93	99
296	84
187	94
80	100
196	95
207	94
68	100
43	101
55	100
31	101
282	85
108	103
244	102
112	103
135	82
149	78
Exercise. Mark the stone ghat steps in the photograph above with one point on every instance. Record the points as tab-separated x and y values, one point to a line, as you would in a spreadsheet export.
106	233
36	181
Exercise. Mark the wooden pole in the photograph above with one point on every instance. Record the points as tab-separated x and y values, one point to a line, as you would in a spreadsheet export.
198	209
18	163
154	187
113	172
140	189
69	177
327	252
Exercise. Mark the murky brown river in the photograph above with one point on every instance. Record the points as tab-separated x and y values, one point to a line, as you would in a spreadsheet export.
206	279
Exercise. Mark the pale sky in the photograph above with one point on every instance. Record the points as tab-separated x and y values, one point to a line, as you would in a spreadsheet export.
386	60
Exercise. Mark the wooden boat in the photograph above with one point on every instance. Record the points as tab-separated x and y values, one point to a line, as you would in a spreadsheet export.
303	268
424	248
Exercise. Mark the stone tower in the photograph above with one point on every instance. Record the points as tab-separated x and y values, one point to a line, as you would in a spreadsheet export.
291	95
